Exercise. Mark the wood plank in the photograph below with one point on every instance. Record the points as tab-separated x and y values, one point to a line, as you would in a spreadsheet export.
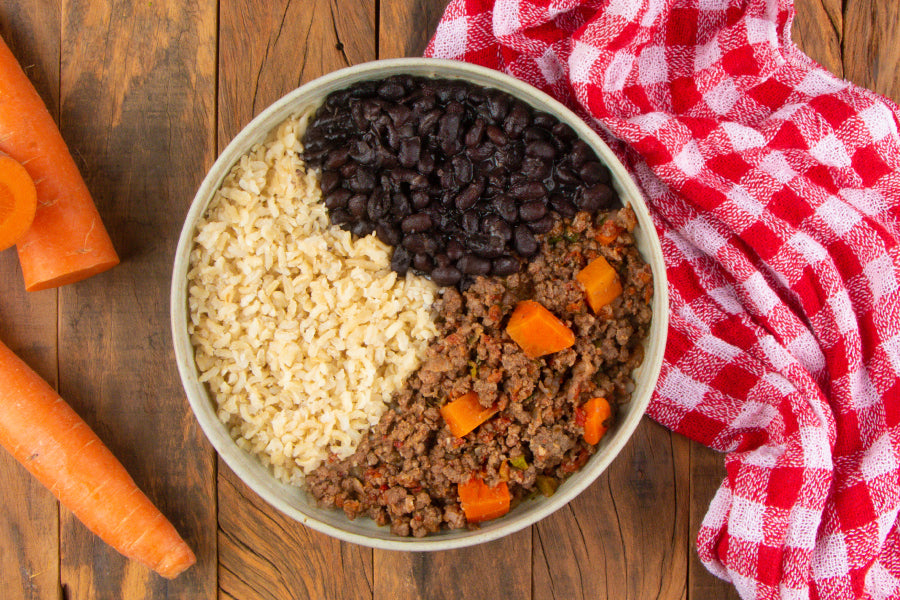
603	545
266	49
707	473
871	55
818	30
138	93
29	521
406	26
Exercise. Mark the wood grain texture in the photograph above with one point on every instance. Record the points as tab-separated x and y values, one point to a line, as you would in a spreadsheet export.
266	49
871	53
818	31
29	515
405	26
137	109
603	545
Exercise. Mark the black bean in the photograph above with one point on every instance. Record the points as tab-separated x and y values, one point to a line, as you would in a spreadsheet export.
566	175
473	265
563	206
442	260
337	158
563	132
329	181
498	104
545	120
469	195
496	226
532	210
454	250
517	120
475	133
594	198
410	152
426	162
423	104
348	170
416	223
357	115
480	152
504	265
399	114
362	228
580	153
400	260
505	207
384	158
387	233
542	225
356	205
391	90
593	172
470	221
536	134
496	135
429	122
378	205
422	262
487	246
524	240
362	181
339	216
420	243
529	190
400	206
337	199
445	275
540	149
448	128
420	199
536	168
462	168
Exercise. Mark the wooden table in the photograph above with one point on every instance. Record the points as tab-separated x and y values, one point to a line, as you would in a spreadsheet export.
147	94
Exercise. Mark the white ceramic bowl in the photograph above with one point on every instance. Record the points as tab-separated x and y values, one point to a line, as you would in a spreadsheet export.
295	502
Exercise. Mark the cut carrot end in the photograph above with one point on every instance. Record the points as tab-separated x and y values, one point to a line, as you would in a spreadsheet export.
601	283
36	285
18	201
482	503
596	412
465	414
538	331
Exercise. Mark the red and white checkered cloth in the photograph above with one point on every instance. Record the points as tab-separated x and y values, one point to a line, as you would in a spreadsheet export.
775	188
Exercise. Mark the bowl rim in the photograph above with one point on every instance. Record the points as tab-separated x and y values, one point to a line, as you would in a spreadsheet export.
237	459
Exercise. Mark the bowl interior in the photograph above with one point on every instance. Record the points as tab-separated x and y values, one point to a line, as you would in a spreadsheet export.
295	502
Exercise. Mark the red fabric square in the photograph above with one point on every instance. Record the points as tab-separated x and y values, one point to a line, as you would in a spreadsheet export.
700	127
869	166
730	166
787	205
784	487
768	565
653	151
762	239
684	94
854	506
703	195
847	426
821	175
788	137
771	93
625	37
698	426
740	61
682	27
737	380
638	95
892	405
683	278
832	110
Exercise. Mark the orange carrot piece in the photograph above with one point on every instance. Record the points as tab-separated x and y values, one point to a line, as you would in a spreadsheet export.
608	232
537	331
66	241
482	503
596	412
465	414
18	200
601	283
44	434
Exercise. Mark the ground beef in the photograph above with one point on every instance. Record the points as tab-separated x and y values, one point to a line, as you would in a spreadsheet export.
405	472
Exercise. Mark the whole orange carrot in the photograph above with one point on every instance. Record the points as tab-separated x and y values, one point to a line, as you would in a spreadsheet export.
67	241
44	434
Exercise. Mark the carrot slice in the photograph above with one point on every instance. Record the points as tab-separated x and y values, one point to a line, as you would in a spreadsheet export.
465	414
482	503
537	331
608	232
50	440
601	283
66	241
18	200
596	412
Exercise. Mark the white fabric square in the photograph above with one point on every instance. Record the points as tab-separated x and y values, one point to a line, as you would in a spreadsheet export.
802	527
626	9
867	201
743	137
862	390
838	216
726	299
761	30
891	347
722	97
650	122
617	72
759	293
688	315
787	593
880	583
450	38
778	381
745	586
759	414
879	458
652	65
704	236
689	159
746	521
816	450
745	201
831	152
550	67
775	352
776	165
811	249
581	60
652	12
716	5
880	273
685	246
719	347
506	19
830	557
818	82
707	55
785	112
686	391
842	311
878	121
805	349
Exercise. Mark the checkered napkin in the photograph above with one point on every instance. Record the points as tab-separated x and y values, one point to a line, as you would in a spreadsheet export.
775	188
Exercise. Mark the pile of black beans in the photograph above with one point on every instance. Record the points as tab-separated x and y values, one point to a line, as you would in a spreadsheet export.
460	179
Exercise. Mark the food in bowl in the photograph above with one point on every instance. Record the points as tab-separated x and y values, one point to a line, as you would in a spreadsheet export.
541	246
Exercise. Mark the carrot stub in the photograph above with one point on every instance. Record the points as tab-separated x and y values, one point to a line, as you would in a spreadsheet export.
596	412
66	241
601	283
44	434
465	414
18	200
482	503
537	331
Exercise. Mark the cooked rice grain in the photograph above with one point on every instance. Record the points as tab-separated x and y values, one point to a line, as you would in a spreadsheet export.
301	333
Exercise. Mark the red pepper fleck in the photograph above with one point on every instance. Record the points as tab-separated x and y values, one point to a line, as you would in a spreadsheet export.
580	417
